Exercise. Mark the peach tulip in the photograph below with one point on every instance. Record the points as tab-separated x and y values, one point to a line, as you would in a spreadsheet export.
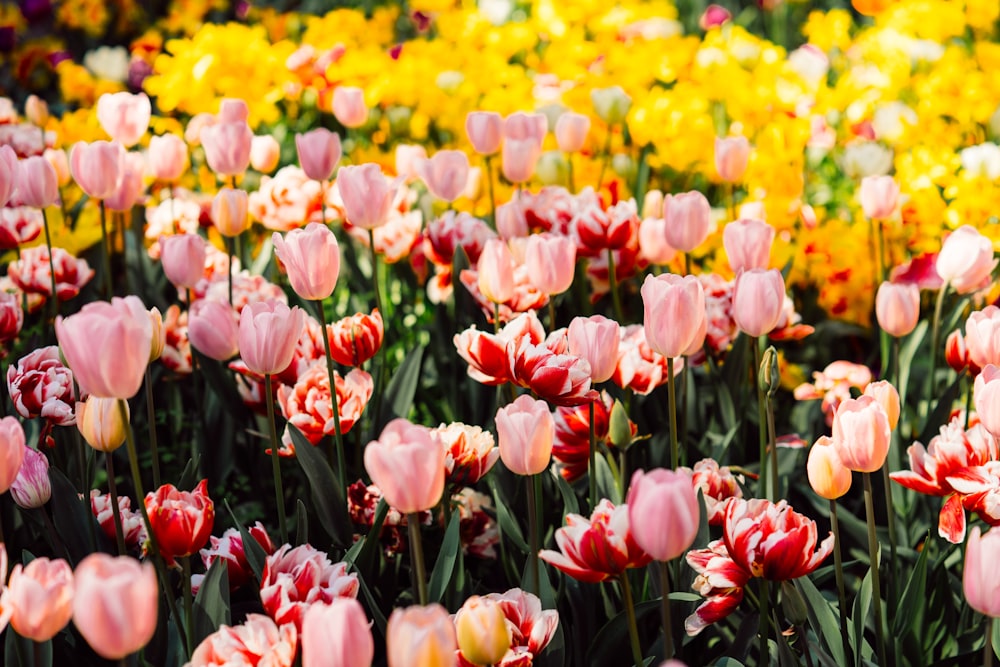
100	423
485	131
40	594
337	635
525	435
349	106
828	476
886	396
407	465
731	157
445	175
12	451
421	637
861	434
897	308
115	604
571	131
230	212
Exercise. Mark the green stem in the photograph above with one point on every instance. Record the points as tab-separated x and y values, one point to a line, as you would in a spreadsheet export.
687	264
672	411
593	459
108	284
188	602
52	267
890	511
279	493
489	180
338	437
988	648
935	338
113	490
533	499
633	629
606	159
552	313
570	180
151	418
668	635
417	556
762	412
839	570
613	286
765	599
231	250
772	445
873	559
731	199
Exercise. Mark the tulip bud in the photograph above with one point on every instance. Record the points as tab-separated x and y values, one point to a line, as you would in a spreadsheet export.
349	106
897	308
879	196
183	259
485	131
552	168
482	631
887	396
495	271
31	488
100	423
36	111
264	153
955	352
731	156
571	131
768	378
611	104
230	212
828	476
421	637
861	434
619	426
159	334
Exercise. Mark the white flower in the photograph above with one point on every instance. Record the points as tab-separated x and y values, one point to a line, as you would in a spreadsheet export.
868	158
108	62
982	160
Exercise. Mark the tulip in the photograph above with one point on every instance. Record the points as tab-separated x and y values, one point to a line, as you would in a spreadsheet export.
861	434
481	629
653	243
37	182
407	157
980	580
227	147
511	221
663	512
296	578
673	313
181	521
257	641
60	162
349	106
233	110
731	157
168	157
611	104
183	259
213	329
312	258
886	396
97	167
337	635
485	131
748	244
595	339
688	216
407	465
495	271
107	345
714	16
100	423
40	597
897	308
115	604
560	379
366	194
518	159
987	397
36	110
828	476
525	434
879	196
12	451
124	116
130	184
445	175
265	152
319	152
966	260
355	339
159	334
31	488
230	212
198	122
9	175
571	131
421	637
521	126
982	336
11	317
551	262
955	352
269	332
758	300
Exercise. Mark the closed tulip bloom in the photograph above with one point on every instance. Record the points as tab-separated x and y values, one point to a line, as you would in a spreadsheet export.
571	131
31	488
611	104
879	196
731	157
100	423
12	451
312	258
230	212
9	174
183	259
522	126
688	216
213	329
407	465
481	627
159	334
366	194
673	313
60	162
115	604
495	271
167	157
518	159
37	182
107	345
758	300
551	262
525	435
337	635
124	116
748	244
421	637
595	339
663	512
265	152
955	352
97	167
319	152
980	576
130	186
227	147
349	106
887	396
36	110
485	131
407	157
966	260
861	434
987	397
653	243
40	595
828	476
982	336
355	339
511	220
446	174
181	520
233	110
897	308
269	332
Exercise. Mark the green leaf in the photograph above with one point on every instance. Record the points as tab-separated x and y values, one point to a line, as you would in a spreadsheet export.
607	487
907	352
612	642
71	514
211	605
189	477
327	496
942	408
506	523
445	565
398	397
912	604
363	552
256	556
824	622
301	522
373	608
20	651
861	605
571	505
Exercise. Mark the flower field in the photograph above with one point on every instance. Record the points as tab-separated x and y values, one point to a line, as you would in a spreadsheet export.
513	333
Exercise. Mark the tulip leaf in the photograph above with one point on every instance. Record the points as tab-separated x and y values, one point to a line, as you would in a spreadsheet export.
75	523
912	604
506	523
571	505
942	408
612	642
361	555
607	487
20	651
398	397
189	477
211	604
328	498
301	522
256	556
907	352
445	565
861	605
373	607
822	619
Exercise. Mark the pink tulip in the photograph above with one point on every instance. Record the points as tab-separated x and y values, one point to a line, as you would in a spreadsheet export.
312	258
663	512
445	175
168	157
258	640
227	147
688	217
731	157
525	435
265	152
748	244
37	182
879	196
60	162
319	152
987	397
349	106
407	465
518	159
595	339
12	451
232	110
485	131
421	637
511	221
36	110
861	434
115	604
32	487
40	594
571	131
107	345
495	271
366	194
269	332
97	167
337	635
9	174
673	313
198	122
653	243
213	329
897	308
886	396
124	116
758	301
966	260
980	576
130	185
982	336
551	262
521	126
407	158
183	259
714	16
827	474
230	212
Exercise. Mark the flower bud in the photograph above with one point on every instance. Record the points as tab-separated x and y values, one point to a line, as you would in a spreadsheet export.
482	631
31	488
100	423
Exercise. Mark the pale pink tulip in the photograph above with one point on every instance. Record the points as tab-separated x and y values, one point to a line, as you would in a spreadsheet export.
269	332
9	174
485	131
897	308
124	116
319	152
758	301
861	434
987	397
879	196
349	106
407	158
227	148
213	329
673	313
115	604
518	159
571	131
37	182
689	217
446	174
183	259
41	597
525	435
595	339
407	465
521	126
265	152
966	260
982	336
337	635
311	257
748	244
130	185
731	157
663	512
653	243
97	167
12	451
495	271
980	576
366	194
551	262
168	157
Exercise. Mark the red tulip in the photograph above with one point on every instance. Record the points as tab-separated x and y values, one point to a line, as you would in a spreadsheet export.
355	339
560	379
307	405
11	317
469	453
39	385
181	520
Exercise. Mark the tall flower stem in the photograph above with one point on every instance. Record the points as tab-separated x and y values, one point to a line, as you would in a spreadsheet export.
570	180
106	244
489	180
765	599
672	410
231	251
762	414
873	558
379	362
606	158
613	286
838	567
338	438
534	482
935	340
417	556
988	648
279	492
668	636
188	601
633	629
52	267
731	200
593	459
151	418
115	510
